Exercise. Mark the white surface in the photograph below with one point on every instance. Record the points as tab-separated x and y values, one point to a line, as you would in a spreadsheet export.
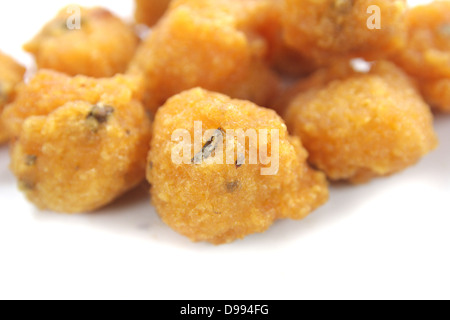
387	239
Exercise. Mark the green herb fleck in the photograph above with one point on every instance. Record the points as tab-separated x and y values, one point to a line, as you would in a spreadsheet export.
232	186
209	147
99	115
26	185
30	160
445	30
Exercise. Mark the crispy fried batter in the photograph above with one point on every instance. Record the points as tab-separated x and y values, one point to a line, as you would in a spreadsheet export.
49	90
363	126
437	93
102	47
428	48
219	45
220	203
427	56
11	73
319	78
79	142
324	29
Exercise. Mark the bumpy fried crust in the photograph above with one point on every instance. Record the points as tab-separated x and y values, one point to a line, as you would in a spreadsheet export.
102	47
220	203
283	58
339	70
428	47
80	144
214	44
326	28
427	56
11	73
437	93
150	11
49	90
364	126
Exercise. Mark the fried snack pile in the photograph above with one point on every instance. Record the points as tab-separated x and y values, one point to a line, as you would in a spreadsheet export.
11	73
218	202
79	142
427	56
80	129
325	29
219	45
363	126
150	11
101	46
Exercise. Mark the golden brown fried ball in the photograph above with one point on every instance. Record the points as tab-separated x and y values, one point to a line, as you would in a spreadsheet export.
219	203
323	29
102	47
219	45
427	56
428	47
150	11
80	143
364	126
11	73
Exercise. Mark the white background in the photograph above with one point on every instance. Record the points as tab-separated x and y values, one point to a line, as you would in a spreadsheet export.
386	239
